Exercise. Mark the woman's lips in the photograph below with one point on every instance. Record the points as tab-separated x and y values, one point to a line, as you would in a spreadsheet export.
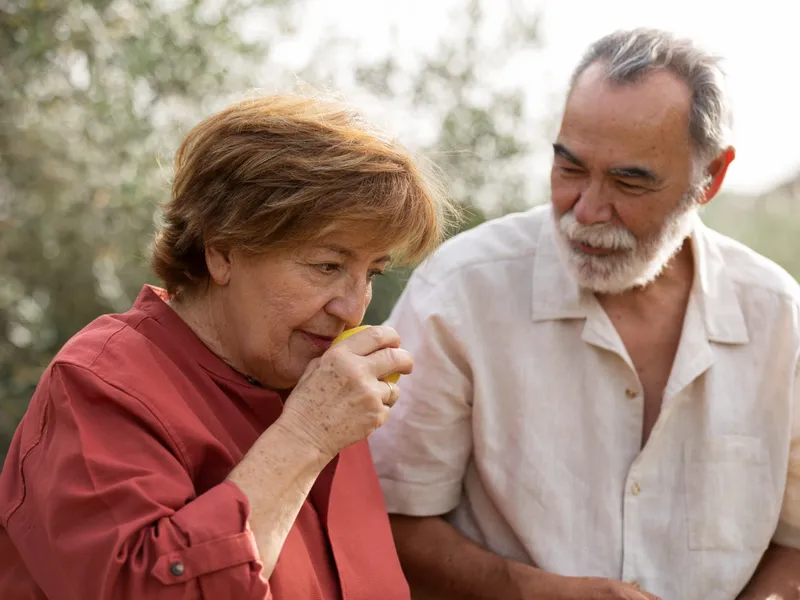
323	342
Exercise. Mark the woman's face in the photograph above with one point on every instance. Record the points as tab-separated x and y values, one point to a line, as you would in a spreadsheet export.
276	312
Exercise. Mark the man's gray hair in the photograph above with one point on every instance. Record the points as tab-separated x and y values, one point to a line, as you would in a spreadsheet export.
629	55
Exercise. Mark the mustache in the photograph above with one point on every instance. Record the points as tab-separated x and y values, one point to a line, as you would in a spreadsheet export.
599	235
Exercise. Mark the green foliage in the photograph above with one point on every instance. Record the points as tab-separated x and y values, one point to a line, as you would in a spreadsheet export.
483	138
92	92
769	225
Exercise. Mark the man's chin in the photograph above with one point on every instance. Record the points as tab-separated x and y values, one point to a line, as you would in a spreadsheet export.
614	283
612	279
610	274
602	286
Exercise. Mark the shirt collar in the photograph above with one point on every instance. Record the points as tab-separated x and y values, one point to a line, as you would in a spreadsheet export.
152	301
716	291
556	295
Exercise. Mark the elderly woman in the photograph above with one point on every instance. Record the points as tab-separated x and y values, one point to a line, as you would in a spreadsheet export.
209	443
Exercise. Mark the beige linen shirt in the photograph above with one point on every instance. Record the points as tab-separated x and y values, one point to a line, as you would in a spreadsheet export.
522	420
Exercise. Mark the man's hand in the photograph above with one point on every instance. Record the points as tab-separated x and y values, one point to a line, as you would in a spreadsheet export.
777	576
534	584
596	588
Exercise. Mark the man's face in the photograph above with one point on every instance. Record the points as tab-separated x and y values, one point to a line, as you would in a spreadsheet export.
621	181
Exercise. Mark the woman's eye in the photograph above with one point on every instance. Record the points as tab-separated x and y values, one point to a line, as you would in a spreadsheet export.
328	268
333	268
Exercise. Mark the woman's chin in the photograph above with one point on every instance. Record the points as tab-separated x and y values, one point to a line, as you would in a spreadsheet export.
291	376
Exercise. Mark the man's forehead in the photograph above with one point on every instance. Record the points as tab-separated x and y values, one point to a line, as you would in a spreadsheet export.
648	118
658	89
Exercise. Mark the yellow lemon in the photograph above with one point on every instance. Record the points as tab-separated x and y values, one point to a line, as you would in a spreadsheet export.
348	332
393	378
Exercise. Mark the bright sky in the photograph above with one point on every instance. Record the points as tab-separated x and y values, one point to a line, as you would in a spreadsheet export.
758	39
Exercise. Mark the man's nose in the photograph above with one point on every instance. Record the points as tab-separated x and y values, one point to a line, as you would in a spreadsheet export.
591	207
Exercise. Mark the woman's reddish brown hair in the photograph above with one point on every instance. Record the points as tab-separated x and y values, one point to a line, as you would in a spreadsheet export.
287	170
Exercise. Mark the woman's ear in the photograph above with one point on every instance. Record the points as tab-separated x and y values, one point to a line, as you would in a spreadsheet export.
218	263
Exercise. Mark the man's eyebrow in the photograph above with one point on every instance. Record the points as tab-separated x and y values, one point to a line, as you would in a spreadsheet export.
634	172
562	151
624	171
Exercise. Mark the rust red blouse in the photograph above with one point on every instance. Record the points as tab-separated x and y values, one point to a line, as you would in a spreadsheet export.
114	485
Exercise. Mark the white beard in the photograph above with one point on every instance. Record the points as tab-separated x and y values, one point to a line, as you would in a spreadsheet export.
636	263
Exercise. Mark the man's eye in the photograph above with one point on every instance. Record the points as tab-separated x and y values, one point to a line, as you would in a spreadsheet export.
571	170
630	186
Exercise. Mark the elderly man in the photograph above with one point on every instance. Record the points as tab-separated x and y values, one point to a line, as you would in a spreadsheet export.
606	399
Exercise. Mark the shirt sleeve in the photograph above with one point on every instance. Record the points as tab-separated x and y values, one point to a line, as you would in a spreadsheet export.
788	531
100	505
422	450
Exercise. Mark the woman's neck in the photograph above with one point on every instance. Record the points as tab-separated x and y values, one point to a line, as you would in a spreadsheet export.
197	311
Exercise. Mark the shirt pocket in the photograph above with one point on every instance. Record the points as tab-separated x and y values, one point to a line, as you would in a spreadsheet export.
730	503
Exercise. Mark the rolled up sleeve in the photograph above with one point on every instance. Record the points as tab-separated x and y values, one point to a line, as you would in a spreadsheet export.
788	531
215	527
97	497
421	452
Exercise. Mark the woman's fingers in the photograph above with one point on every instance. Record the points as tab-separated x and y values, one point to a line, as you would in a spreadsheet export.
371	339
392	395
390	360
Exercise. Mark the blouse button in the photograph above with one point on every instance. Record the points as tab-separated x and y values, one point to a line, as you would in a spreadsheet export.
177	569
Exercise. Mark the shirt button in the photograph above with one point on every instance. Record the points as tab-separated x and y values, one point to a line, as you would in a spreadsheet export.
635	489
177	569
631	393
636	584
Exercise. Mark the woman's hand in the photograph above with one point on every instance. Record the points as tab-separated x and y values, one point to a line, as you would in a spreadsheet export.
340	399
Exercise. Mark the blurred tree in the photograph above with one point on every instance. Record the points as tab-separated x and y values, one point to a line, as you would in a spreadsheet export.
768	223
91	93
473	126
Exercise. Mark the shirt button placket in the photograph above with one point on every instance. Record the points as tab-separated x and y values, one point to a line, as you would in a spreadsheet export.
629	516
630	508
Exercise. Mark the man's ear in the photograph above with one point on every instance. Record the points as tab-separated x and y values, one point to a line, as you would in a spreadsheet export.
717	171
218	263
